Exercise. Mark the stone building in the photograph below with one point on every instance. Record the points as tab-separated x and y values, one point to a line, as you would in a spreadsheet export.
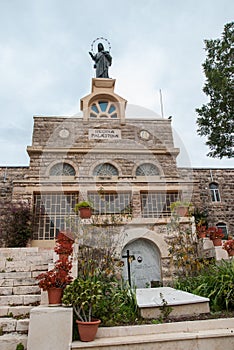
131	162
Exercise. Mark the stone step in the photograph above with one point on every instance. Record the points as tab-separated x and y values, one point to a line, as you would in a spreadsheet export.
10	325
15	311
25	282
10	341
24	266
20	275
22	290
25	251
200	335
5	282
22	256
19	290
15	275
13	300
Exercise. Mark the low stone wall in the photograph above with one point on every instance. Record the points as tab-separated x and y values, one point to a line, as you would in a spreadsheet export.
199	335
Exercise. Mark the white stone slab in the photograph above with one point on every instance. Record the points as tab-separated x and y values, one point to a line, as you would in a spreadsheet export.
150	297
220	253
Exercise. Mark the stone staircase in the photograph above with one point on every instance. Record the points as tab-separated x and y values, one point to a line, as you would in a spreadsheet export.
19	291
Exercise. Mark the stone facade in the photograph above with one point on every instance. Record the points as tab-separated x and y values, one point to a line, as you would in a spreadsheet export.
139	152
218	211
8	175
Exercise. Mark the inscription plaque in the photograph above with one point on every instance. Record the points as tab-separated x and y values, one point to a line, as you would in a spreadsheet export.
104	134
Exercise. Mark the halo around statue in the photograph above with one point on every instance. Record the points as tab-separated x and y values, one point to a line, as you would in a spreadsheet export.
100	39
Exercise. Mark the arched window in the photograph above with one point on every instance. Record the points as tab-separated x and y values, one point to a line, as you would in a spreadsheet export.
62	169
147	169
224	229
105	169
103	109
214	191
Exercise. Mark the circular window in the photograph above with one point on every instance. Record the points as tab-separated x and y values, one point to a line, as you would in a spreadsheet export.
144	134
103	109
64	133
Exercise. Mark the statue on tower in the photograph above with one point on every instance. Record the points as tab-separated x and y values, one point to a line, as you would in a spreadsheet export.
102	61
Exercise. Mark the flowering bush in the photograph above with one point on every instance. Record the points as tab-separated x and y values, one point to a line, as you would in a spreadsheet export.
229	245
215	232
202	231
64	243
58	277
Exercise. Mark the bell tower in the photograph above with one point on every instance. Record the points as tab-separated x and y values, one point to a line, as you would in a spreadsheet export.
103	103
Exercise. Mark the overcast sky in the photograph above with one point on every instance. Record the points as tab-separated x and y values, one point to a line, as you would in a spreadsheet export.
156	44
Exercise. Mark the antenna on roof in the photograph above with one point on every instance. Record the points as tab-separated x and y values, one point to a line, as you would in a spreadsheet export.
5	175
161	103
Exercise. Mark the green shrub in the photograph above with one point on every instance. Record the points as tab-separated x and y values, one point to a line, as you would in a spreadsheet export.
16	225
118	305
182	248
215	282
107	299
20	346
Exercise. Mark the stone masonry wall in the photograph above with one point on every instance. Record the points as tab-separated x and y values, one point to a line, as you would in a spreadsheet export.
7	177
49	147
218	211
46	132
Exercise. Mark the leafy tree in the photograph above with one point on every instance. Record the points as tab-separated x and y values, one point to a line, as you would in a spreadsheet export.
216	118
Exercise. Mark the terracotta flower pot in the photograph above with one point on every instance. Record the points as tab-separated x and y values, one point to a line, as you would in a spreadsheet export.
88	330
85	212
182	211
201	235
217	242
55	296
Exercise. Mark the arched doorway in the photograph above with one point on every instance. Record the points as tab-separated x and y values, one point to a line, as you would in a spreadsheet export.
144	263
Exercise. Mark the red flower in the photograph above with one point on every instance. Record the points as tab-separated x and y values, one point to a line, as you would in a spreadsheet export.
215	232
64	243
58	277
229	245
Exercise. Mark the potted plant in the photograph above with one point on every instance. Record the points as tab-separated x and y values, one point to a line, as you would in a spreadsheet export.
84	294
54	281
229	247
181	208
64	245
84	208
216	235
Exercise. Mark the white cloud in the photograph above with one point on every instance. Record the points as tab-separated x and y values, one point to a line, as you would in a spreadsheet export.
45	67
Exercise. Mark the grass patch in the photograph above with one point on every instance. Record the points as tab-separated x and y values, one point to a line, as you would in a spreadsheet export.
215	282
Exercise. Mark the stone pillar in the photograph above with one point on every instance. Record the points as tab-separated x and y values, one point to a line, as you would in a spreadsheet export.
136	204
50	328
